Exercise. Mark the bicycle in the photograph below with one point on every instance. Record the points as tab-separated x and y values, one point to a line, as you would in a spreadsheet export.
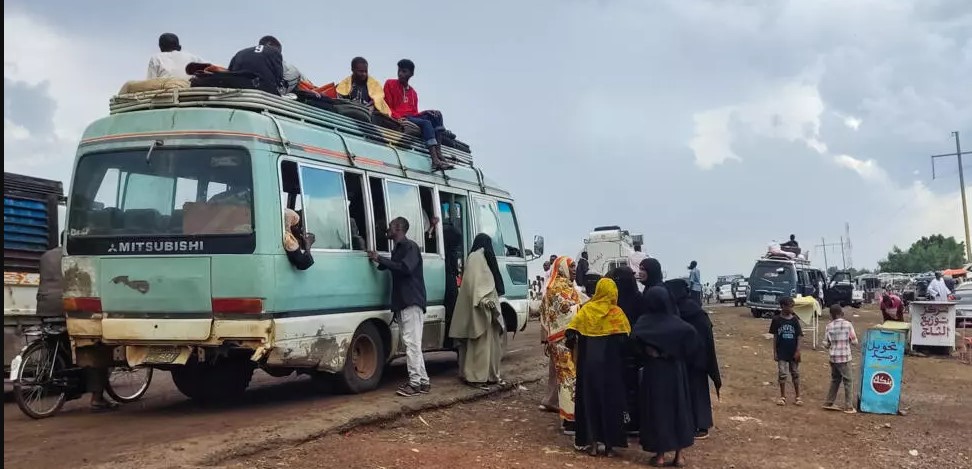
44	375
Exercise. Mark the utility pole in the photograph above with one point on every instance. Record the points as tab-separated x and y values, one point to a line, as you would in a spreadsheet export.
965	208
842	258
823	245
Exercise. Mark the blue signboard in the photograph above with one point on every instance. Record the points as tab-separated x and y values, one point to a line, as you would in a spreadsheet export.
882	366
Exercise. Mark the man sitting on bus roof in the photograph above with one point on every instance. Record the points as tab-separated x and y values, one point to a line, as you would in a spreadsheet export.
171	60
402	99
265	61
363	89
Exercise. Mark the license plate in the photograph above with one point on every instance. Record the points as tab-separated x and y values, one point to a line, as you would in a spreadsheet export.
769	299
15	368
161	354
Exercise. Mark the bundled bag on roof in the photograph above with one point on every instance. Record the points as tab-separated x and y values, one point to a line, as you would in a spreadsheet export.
154	84
774	249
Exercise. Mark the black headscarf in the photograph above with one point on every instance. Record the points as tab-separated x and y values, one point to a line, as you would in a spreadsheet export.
484	242
689	309
660	326
629	298
653	268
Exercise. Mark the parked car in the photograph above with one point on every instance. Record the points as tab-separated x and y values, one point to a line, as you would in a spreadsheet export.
963	310
725	293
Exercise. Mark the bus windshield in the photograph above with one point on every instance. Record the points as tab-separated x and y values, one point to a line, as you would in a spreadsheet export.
162	193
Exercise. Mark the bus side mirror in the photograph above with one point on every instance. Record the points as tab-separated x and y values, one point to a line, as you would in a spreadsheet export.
538	245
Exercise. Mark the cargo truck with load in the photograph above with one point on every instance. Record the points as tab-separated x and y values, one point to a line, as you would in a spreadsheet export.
30	228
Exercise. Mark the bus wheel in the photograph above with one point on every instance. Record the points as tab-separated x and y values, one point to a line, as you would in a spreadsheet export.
756	313
365	361
225	380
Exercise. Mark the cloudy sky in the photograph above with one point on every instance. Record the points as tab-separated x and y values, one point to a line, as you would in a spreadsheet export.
711	127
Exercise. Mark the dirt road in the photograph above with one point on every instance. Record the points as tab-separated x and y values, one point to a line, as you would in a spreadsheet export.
167	430
507	431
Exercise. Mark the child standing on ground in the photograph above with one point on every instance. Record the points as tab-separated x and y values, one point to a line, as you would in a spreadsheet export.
787	331
838	339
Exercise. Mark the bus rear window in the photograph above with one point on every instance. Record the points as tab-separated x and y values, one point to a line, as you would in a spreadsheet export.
168	192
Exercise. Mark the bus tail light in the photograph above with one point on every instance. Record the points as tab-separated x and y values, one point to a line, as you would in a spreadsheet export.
238	305
82	305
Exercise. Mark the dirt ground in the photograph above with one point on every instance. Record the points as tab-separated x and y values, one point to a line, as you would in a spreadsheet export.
507	431
165	429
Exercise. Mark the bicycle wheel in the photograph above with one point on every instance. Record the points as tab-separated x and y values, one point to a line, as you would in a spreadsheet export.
127	384
36	389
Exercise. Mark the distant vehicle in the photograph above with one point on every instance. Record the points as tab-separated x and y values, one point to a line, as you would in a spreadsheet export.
843	291
740	290
963	310
726	279
725	293
774	277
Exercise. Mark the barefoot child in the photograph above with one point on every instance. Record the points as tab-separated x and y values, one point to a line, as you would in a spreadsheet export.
787	332
839	337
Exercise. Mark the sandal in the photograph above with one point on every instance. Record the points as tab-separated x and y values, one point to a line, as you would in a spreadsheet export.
480	386
798	401
547	408
103	407
657	461
781	401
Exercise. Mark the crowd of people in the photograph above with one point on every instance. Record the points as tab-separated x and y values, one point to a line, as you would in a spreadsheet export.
626	362
397	99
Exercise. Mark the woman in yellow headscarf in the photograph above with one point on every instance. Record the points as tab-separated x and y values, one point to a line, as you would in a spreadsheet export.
597	336
560	303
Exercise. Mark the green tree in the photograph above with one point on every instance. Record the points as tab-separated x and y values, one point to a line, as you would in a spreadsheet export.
929	253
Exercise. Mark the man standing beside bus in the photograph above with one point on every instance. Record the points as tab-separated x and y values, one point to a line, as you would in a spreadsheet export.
408	302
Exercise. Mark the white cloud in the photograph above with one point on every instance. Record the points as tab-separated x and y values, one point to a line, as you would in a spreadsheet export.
712	142
852	122
790	112
867	169
77	79
13	132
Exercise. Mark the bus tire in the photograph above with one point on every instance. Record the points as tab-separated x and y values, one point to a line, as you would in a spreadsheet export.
756	313
364	363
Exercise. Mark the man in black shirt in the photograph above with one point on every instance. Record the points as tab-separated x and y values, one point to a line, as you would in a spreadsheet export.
265	61
787	331
408	302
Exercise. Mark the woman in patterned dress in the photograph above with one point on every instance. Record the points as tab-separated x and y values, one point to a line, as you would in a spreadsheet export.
559	307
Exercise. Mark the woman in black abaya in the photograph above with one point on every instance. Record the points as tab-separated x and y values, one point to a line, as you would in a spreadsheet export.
706	365
598	336
668	344
631	302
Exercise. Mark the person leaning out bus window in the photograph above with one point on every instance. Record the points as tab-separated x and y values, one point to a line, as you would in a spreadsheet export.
295	243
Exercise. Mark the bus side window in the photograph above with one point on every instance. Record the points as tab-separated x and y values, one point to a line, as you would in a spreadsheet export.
428	208
356	210
290	195
380	214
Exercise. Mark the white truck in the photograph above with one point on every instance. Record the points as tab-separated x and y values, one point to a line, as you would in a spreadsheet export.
30	227
609	247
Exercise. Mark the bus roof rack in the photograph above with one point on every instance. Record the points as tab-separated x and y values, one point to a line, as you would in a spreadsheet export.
262	102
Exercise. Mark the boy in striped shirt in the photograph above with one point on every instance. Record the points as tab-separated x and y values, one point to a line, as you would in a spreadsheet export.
838	339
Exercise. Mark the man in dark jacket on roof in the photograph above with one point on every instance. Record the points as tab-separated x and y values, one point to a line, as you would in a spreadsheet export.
265	61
